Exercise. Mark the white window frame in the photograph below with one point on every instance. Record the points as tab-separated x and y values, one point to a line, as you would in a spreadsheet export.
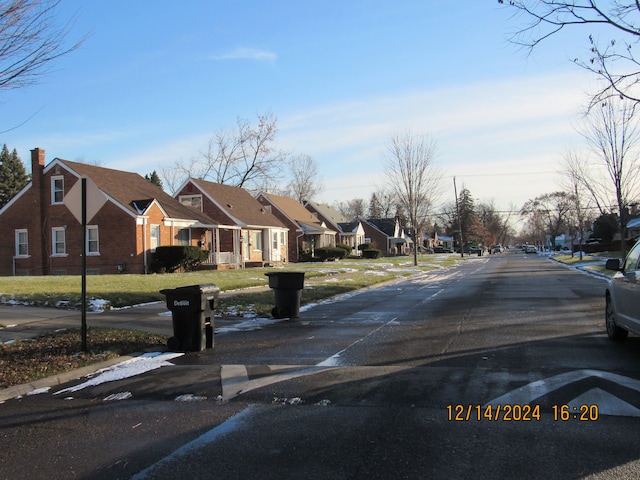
19	242
96	240
154	239
55	241
193	201
55	190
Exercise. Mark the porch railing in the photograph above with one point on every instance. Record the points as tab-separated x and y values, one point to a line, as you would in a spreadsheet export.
222	258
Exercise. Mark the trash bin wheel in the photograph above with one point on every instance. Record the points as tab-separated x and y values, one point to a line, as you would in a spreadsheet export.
173	344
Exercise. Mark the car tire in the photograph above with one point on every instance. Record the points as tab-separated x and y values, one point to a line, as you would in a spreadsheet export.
614	332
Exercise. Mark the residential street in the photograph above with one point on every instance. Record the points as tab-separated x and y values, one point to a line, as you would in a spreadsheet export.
497	368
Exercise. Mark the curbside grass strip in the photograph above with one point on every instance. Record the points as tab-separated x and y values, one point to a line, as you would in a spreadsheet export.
64	377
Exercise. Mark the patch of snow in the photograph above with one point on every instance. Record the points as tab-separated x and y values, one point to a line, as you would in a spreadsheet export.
128	368
118	396
190	397
248	325
38	391
288	401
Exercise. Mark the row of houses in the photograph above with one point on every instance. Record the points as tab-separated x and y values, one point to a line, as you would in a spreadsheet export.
128	217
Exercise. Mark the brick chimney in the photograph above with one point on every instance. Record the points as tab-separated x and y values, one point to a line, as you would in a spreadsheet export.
37	167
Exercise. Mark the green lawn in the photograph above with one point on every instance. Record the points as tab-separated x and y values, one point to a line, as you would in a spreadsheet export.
321	281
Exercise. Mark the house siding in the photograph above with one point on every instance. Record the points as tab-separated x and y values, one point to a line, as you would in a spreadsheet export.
294	233
24	213
377	238
124	238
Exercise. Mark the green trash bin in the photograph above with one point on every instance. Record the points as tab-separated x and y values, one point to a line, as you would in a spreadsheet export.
192	316
288	293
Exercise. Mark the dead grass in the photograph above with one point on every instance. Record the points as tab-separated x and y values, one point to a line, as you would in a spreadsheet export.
28	360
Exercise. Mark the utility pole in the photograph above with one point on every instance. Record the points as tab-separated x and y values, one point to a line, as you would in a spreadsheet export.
455	191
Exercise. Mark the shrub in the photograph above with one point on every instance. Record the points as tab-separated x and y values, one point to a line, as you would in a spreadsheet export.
177	257
366	246
326	253
345	247
371	253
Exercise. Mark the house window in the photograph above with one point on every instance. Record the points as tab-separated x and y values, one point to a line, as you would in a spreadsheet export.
282	238
59	245
22	243
256	240
57	189
194	201
184	236
274	245
155	237
93	246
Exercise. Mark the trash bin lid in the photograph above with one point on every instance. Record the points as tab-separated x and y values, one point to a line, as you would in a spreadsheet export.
202	289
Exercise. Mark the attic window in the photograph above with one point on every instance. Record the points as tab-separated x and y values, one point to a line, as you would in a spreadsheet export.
194	201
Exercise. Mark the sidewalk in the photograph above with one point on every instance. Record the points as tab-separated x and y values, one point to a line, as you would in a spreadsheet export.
22	321
26	322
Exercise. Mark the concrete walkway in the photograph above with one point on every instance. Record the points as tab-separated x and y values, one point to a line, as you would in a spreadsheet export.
21	322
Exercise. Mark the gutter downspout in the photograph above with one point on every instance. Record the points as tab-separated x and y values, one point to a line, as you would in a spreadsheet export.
144	246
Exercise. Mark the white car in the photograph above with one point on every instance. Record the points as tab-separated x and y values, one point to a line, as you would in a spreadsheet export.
623	296
530	249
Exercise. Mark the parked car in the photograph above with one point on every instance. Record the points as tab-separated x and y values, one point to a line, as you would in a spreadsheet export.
531	249
442	250
497	249
622	296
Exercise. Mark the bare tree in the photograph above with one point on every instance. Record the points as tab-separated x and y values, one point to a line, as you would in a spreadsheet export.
610	58
244	156
412	175
496	224
30	39
384	204
351	209
613	134
549	213
174	176
575	182
305	182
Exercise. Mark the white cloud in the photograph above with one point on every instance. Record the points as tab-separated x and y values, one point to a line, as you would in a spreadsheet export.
243	53
484	131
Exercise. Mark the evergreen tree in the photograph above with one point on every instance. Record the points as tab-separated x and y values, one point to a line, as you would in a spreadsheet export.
375	207
155	179
13	176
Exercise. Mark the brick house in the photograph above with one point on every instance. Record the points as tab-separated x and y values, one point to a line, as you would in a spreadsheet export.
348	233
306	232
248	234
42	235
387	234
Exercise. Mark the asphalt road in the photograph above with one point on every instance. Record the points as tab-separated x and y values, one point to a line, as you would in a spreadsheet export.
479	371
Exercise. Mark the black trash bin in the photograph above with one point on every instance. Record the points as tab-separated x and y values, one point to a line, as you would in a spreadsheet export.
288	292
192	313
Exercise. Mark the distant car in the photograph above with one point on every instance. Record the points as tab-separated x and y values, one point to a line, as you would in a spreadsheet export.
442	250
622	296
497	249
530	249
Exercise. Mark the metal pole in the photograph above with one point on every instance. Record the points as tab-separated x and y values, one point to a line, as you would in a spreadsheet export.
455	191
83	328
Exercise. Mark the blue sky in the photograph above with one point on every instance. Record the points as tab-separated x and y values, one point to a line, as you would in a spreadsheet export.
154	81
